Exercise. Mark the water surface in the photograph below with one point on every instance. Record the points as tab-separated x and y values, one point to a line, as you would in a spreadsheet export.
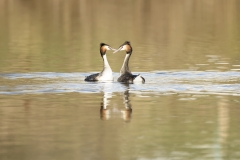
188	52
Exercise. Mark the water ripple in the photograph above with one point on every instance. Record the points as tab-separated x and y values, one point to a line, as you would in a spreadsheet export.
158	82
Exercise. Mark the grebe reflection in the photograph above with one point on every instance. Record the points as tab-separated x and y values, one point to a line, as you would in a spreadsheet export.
126	113
107	112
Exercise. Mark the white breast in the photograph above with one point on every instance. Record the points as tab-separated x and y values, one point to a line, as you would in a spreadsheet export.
138	79
106	75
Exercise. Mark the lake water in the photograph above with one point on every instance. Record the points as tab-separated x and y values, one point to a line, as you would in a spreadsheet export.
188	52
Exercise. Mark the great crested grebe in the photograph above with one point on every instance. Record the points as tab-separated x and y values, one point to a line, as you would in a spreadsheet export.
106	74
125	74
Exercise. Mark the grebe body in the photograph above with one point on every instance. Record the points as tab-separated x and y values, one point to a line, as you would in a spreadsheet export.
125	74
106	74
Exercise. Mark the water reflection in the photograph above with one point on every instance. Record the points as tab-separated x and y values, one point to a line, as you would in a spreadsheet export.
182	33
127	112
106	112
187	50
223	119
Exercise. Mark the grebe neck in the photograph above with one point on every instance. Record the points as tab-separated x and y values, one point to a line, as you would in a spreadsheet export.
125	67
105	62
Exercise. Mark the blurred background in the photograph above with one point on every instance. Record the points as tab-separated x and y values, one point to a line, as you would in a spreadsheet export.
64	36
187	50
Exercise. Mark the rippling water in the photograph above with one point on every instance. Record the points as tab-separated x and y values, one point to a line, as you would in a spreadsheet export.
188	52
158	82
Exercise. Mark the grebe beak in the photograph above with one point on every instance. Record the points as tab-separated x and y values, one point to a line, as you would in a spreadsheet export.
121	48
110	48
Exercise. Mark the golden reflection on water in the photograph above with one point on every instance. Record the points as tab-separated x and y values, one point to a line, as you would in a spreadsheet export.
68	125
223	120
106	113
65	35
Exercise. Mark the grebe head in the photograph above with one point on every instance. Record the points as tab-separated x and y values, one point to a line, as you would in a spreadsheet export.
104	47
125	46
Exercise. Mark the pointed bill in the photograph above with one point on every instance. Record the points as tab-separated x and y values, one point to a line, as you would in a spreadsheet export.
110	48
119	49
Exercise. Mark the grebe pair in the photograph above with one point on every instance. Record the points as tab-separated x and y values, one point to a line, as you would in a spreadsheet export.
125	74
